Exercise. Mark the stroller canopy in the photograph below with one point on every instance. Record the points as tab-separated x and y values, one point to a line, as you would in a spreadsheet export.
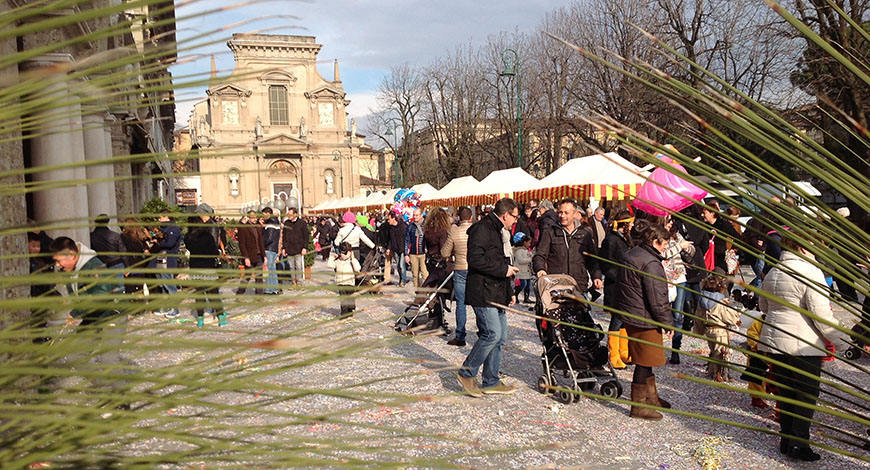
552	284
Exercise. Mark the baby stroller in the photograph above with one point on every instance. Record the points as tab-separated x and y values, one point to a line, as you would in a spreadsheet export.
372	271
862	328
426	313
575	352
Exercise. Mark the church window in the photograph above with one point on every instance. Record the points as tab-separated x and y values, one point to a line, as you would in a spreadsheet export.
278	114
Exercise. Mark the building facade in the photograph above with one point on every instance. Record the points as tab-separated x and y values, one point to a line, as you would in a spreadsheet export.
88	85
275	128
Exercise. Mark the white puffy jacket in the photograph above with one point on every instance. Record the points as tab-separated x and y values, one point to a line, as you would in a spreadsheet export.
794	333
351	233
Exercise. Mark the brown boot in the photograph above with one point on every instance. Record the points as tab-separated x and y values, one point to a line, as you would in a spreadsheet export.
652	395
639	395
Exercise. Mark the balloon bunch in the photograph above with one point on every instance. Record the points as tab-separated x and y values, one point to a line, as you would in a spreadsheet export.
406	201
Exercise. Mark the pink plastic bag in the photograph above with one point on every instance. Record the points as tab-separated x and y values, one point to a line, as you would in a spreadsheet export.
664	191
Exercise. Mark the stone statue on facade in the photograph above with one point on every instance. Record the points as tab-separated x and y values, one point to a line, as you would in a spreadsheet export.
302	130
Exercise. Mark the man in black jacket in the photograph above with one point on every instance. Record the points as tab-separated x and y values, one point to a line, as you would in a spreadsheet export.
271	239
396	247
489	281
295	241
565	248
107	243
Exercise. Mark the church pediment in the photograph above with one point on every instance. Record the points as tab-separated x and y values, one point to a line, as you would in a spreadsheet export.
282	139
325	92
228	89
277	75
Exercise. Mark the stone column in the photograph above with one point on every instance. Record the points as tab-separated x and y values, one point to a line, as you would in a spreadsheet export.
53	144
13	211
101	194
77	154
120	147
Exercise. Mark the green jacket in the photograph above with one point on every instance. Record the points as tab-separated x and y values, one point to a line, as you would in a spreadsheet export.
91	281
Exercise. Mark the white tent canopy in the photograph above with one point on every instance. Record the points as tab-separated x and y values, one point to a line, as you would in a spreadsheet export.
424	189
507	181
609	168
461	186
388	197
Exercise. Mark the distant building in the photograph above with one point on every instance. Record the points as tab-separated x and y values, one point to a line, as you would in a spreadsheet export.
276	128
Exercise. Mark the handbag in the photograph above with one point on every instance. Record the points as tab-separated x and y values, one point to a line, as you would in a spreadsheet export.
710	255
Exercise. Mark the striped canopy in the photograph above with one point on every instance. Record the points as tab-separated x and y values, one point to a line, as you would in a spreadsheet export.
595	176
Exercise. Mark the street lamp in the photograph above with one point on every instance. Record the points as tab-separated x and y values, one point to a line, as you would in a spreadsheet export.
396	124
336	157
512	69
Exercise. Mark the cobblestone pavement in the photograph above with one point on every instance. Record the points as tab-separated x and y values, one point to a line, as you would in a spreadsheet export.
589	434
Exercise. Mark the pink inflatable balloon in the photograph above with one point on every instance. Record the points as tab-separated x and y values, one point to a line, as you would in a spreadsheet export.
665	191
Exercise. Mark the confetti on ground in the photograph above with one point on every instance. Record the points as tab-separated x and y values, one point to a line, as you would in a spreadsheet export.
709	453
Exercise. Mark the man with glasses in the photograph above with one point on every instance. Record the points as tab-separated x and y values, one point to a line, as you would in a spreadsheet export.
566	248
490	277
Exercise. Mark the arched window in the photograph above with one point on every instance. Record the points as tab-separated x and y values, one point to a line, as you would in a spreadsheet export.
329	181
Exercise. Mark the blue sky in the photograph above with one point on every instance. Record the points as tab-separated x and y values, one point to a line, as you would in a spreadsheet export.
367	37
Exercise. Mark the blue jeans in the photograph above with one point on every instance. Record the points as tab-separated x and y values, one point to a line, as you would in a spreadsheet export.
491	337
120	275
677	308
272	277
401	267
459	279
757	268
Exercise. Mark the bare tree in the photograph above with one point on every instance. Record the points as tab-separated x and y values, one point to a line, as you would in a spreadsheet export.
456	112
399	101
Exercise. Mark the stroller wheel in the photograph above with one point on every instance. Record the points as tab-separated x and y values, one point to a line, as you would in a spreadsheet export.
852	353
611	389
544	384
566	397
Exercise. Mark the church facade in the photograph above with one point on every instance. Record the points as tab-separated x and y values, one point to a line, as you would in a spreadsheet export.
275	128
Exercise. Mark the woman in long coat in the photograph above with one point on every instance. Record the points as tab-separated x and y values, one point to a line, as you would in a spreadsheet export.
643	295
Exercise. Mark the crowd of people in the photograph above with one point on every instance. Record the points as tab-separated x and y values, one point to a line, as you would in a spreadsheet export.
657	275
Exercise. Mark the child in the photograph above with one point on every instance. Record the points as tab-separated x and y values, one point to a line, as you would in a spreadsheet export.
523	261
346	268
755	365
714	307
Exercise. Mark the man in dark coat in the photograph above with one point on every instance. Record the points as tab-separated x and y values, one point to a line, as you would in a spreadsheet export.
107	243
565	248
490	277
271	243
250	237
167	258
396	247
295	240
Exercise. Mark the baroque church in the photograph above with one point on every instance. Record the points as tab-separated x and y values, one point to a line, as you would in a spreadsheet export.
275	128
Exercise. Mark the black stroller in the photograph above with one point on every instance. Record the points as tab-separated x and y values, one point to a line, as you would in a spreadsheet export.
577	353
426	313
372	271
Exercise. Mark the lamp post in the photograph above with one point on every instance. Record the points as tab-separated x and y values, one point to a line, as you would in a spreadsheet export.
258	134
392	132
512	69
336	157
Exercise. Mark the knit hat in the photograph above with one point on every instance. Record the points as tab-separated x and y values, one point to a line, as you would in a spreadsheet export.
547	205
363	221
348	217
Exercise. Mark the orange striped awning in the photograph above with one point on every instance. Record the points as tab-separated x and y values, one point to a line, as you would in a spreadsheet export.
612	191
